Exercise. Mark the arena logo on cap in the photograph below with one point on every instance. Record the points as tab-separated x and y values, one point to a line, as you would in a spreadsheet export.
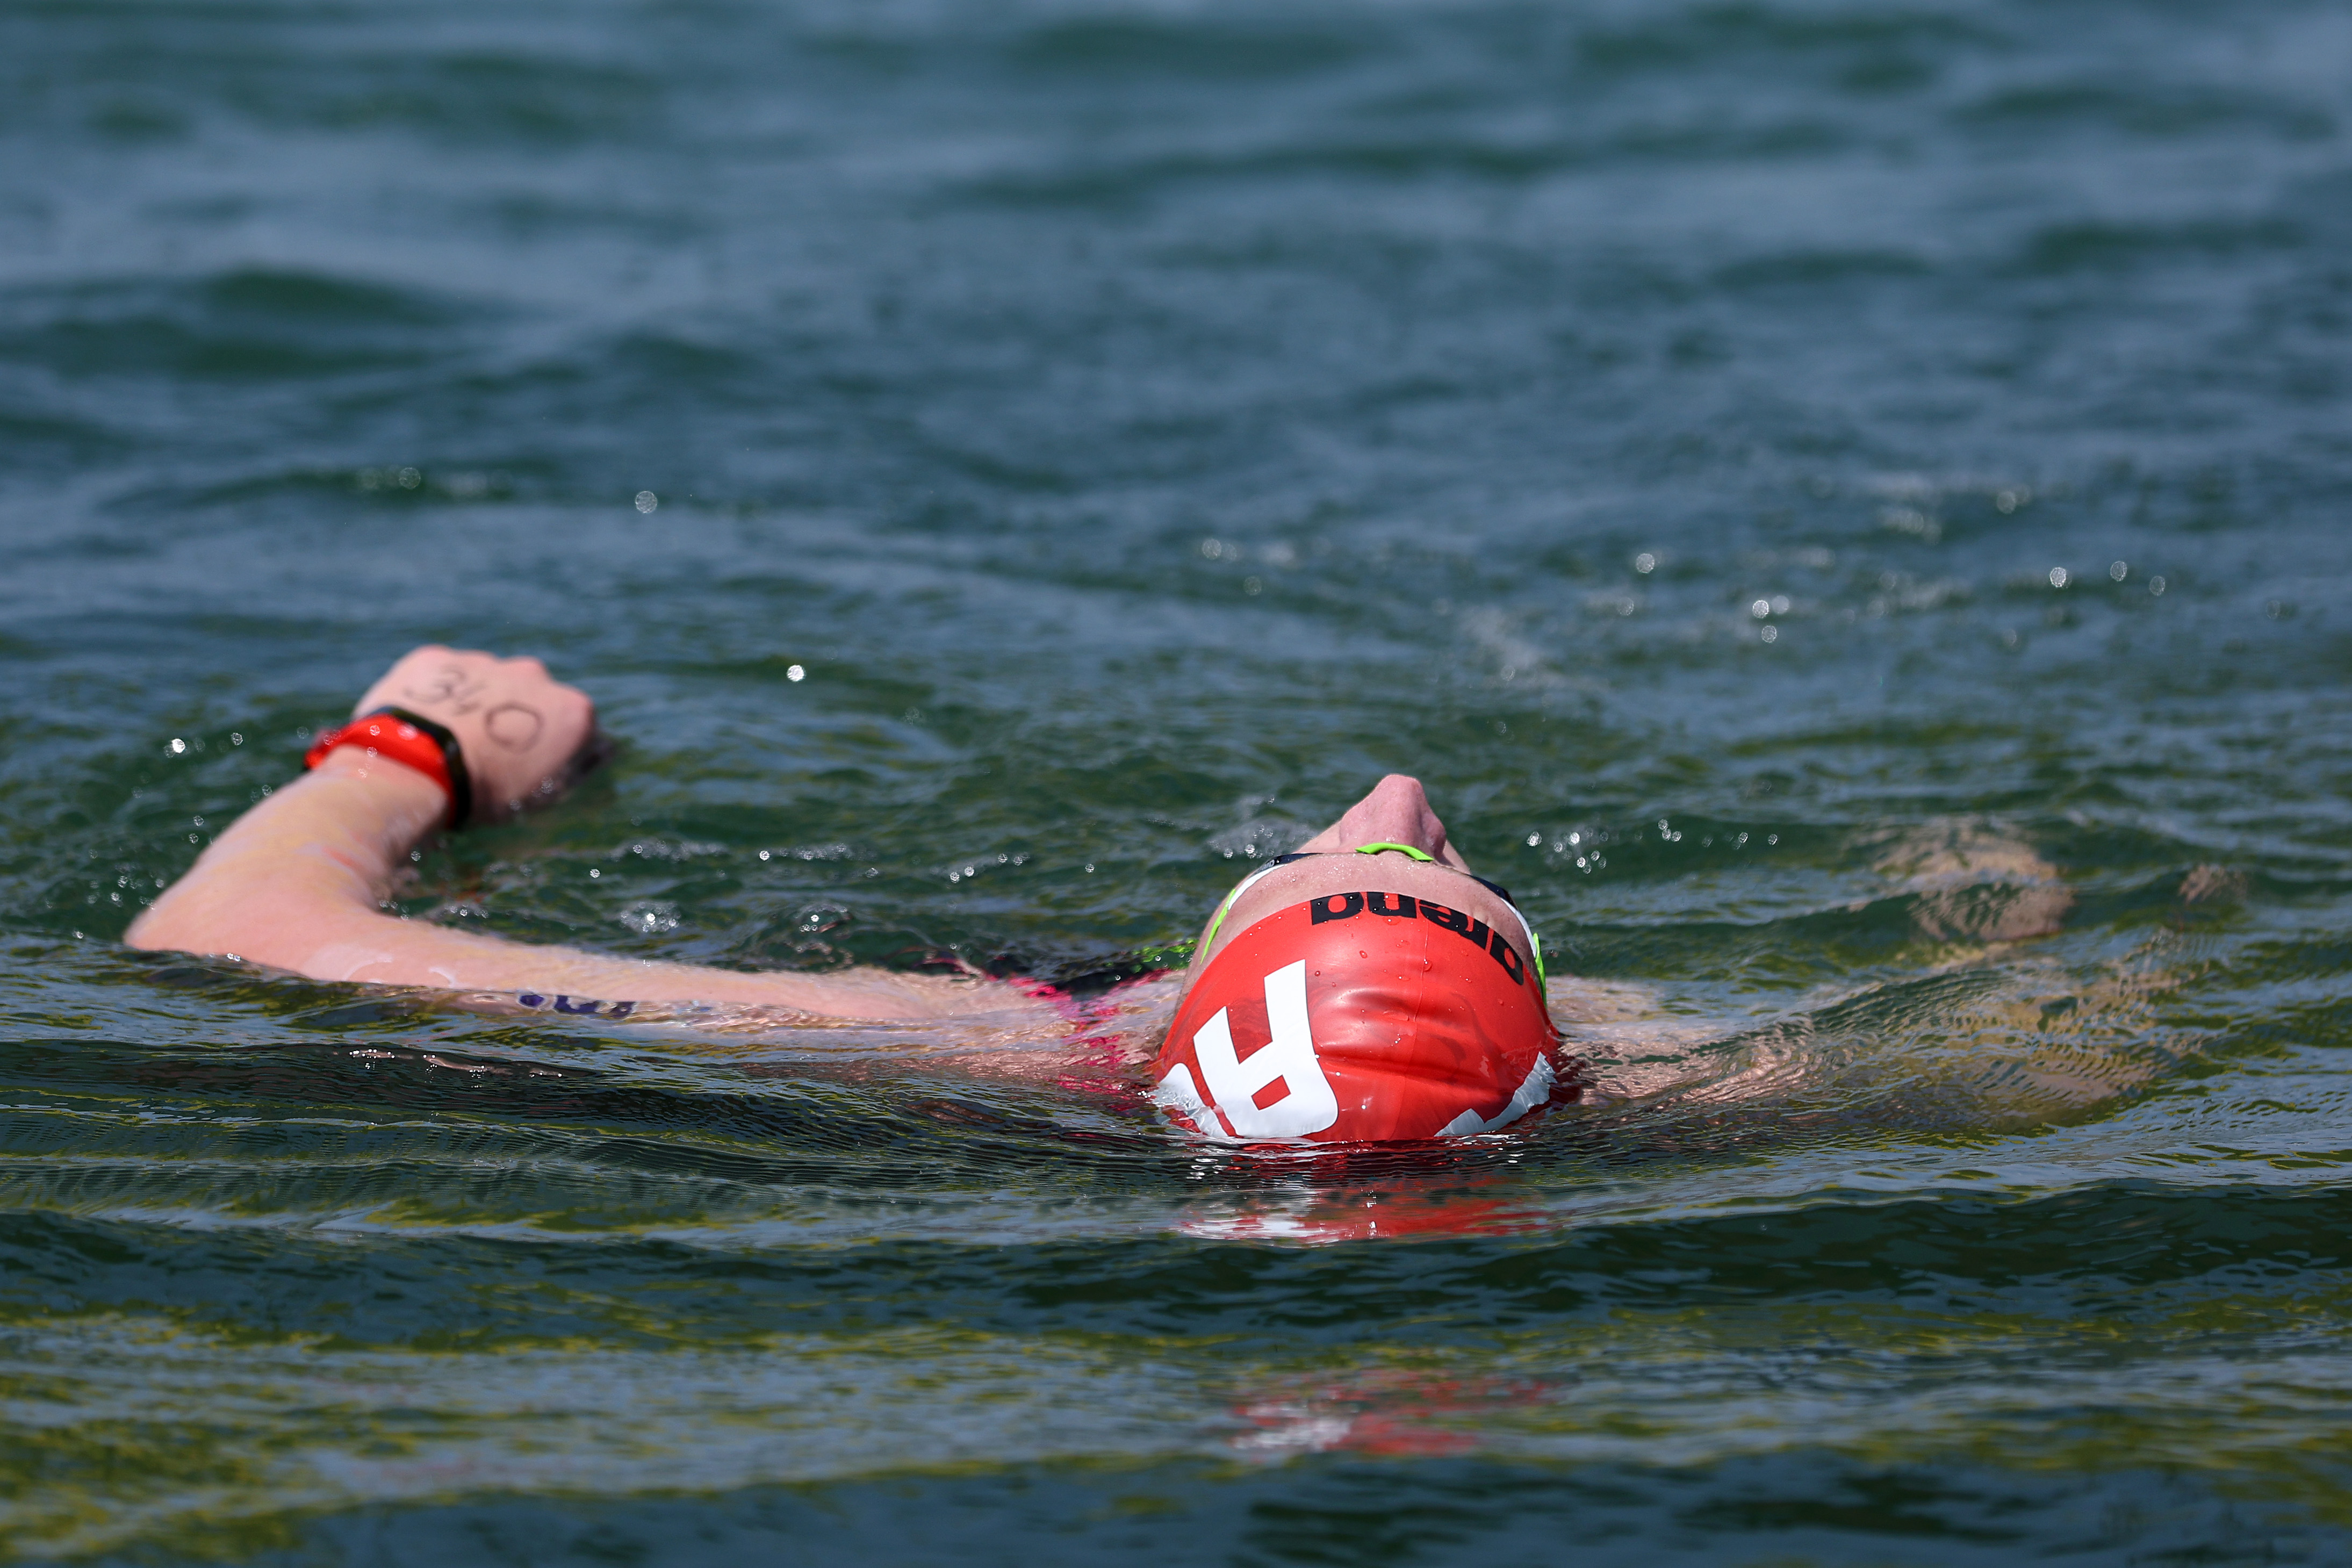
1348	906
1305	1103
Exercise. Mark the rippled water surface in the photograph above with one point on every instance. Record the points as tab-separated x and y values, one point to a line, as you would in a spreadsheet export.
1846	506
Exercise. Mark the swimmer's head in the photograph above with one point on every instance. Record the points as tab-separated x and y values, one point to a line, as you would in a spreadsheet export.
1363	1015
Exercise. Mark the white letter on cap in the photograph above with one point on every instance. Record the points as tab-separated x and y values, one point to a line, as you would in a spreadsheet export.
1307	1104
1177	1093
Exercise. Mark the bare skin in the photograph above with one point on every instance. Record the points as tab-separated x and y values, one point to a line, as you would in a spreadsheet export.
298	883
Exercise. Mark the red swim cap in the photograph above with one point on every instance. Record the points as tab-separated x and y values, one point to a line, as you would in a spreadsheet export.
1356	1017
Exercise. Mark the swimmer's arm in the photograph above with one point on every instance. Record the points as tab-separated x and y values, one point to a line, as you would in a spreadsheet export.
296	884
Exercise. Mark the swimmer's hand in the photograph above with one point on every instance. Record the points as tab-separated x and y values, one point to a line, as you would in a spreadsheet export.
525	734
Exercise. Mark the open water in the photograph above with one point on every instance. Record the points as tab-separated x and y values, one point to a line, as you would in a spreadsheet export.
1844	504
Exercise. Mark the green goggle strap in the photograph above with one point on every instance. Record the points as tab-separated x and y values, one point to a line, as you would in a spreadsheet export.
1209	937
1421	855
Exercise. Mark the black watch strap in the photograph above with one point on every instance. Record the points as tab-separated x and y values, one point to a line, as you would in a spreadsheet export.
453	757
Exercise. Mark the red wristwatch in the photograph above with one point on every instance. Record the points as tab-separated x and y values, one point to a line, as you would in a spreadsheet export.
413	741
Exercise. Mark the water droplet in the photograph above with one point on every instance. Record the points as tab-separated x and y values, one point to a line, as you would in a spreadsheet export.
1770	634
647	500
2120	571
177	746
1646	563
1253	587
2057	576
1760	608
796	673
650	916
1533	840
2156	586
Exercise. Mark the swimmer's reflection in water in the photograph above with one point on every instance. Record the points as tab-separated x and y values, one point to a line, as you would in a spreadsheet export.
1368	987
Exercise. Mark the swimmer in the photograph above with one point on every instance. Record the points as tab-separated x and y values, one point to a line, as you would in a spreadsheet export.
1366	987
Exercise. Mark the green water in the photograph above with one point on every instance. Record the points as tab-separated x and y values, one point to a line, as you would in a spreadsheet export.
1143	425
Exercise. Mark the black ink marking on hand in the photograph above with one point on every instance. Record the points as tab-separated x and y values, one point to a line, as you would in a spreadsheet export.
513	726
449	688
